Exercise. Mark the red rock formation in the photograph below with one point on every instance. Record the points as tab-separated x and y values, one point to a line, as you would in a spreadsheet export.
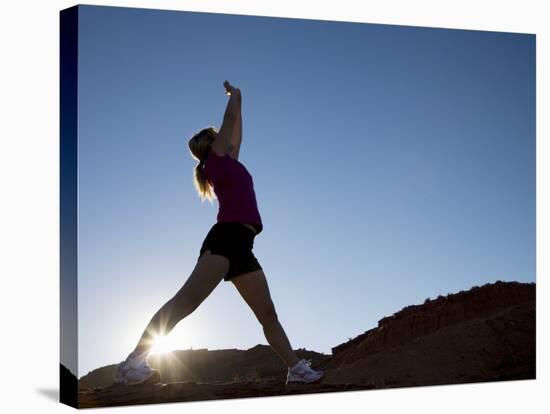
419	320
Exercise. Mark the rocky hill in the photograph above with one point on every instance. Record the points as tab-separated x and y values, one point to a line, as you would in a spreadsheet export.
484	334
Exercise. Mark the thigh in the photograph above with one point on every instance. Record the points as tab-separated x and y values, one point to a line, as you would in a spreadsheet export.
209	270
254	290
242	263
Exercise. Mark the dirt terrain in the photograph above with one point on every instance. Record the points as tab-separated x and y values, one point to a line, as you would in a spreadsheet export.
484	334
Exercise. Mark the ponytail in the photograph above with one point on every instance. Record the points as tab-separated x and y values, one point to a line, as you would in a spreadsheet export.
199	145
203	186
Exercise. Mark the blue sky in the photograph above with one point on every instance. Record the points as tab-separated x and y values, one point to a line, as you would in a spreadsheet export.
390	164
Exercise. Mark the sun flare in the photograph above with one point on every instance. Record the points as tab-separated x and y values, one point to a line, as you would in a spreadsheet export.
161	345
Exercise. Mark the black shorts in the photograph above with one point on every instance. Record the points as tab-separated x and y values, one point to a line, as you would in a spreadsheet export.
234	241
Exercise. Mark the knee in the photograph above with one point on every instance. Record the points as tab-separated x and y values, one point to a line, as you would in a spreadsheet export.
180	306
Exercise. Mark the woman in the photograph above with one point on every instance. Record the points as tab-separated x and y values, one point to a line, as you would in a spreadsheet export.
226	252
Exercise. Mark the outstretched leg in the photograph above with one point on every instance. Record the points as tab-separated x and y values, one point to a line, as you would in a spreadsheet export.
207	274
255	291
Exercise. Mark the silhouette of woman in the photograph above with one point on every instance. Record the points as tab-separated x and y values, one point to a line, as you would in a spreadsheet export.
226	252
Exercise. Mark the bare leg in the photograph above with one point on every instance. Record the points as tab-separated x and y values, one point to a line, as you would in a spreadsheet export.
207	274
254	290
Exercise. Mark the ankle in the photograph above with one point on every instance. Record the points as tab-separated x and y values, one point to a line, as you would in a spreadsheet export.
139	354
293	367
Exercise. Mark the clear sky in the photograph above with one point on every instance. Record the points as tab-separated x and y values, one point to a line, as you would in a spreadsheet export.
390	164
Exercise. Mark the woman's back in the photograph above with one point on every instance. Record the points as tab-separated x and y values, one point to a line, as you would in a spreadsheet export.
234	188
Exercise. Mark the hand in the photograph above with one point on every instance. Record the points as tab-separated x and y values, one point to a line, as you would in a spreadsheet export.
230	89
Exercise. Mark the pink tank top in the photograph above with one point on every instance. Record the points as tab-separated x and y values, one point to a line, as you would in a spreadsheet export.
234	188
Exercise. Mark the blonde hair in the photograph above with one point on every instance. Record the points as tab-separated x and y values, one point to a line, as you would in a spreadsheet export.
199	146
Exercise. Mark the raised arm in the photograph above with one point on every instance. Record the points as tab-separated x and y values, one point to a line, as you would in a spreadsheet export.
237	136
222	143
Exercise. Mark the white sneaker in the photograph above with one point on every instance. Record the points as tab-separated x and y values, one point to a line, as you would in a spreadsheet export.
133	370
302	373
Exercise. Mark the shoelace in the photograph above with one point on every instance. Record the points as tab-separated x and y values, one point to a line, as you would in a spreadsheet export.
126	366
307	363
